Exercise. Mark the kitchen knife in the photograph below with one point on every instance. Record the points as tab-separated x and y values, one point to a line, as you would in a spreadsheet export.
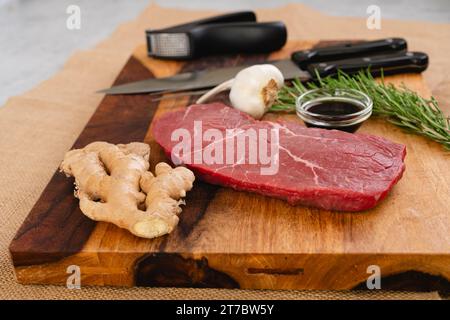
403	62
290	68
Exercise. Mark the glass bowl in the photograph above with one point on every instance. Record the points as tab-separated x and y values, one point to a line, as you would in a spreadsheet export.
341	109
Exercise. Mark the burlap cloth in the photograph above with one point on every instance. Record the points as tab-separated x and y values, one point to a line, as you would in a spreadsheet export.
38	127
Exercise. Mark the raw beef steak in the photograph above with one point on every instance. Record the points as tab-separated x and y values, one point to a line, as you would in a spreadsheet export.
328	169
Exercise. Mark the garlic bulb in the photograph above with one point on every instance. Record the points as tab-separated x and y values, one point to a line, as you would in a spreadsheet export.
253	90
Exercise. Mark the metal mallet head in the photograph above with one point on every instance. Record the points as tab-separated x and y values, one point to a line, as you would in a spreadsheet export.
168	45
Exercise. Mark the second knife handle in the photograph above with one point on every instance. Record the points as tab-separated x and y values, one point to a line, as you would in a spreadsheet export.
348	50
410	62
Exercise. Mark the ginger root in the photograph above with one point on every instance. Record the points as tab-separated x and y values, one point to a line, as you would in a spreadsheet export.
114	185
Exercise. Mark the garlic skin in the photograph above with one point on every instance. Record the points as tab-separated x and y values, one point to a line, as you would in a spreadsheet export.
255	89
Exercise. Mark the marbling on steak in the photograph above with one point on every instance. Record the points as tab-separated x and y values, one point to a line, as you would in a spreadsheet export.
327	169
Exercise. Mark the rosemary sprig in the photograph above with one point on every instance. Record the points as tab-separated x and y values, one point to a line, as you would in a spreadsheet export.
400	106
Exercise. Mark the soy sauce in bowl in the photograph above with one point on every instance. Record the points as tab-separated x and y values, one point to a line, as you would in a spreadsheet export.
342	109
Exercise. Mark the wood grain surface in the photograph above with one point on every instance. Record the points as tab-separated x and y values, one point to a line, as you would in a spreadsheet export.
236	239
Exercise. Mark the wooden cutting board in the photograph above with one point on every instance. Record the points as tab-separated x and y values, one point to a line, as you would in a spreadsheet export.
236	239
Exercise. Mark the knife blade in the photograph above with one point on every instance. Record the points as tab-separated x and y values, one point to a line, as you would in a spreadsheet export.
293	68
185	81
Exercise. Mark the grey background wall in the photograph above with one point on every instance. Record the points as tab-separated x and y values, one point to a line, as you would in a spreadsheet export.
34	40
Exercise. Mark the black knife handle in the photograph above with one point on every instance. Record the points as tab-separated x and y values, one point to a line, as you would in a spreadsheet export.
348	50
240	16
234	38
405	62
